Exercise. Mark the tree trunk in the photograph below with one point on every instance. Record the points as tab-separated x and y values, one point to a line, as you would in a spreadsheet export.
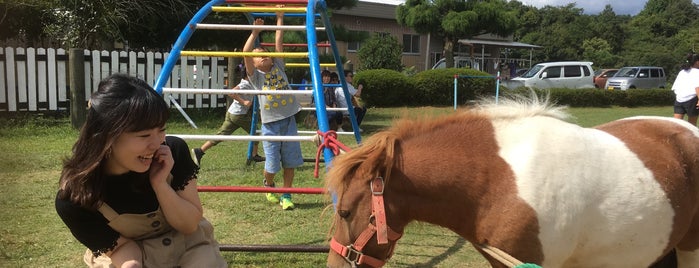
449	52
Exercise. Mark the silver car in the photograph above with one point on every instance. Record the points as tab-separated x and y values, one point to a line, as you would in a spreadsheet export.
637	77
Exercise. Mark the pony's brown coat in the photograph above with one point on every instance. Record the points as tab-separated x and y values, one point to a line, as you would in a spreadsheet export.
495	225
679	160
487	209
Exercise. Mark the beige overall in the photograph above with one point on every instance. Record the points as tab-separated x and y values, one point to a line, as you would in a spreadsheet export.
161	245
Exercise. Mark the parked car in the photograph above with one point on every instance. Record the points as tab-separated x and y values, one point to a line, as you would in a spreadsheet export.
562	74
637	77
601	76
459	62
520	72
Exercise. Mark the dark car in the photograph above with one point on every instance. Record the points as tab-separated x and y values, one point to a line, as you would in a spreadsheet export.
601	76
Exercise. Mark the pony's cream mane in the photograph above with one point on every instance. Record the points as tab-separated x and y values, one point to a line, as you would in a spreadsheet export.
375	156
519	106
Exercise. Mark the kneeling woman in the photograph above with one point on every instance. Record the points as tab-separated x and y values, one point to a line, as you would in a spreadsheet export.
128	192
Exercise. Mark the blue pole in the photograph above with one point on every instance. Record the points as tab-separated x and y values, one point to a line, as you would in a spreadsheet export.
497	87
456	83
179	44
314	61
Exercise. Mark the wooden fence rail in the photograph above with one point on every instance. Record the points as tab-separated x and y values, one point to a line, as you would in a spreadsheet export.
36	79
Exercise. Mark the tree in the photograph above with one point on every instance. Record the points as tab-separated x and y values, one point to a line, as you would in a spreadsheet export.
656	34
454	19
24	20
381	52
599	51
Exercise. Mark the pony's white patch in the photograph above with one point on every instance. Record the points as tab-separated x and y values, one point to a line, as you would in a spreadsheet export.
597	204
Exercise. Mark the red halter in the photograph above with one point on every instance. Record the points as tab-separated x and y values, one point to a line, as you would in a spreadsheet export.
353	253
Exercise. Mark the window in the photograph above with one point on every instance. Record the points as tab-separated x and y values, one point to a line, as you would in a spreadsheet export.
572	71
353	46
553	72
356	39
411	43
644	73
655	73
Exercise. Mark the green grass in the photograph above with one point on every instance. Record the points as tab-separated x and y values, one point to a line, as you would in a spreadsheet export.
32	235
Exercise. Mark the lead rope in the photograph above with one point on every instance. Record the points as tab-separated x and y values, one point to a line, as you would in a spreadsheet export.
505	258
329	140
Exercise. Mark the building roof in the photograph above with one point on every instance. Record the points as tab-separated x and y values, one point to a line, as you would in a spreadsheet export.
381	9
388	2
508	44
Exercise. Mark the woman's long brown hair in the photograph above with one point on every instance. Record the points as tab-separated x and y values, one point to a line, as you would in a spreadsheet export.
121	104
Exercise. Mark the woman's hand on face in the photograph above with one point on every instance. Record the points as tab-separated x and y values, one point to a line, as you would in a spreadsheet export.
161	166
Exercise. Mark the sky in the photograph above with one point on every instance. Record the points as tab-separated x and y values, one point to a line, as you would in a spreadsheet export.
620	7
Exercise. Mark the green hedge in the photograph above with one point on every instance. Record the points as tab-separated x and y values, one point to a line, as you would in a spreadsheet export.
604	98
389	88
385	88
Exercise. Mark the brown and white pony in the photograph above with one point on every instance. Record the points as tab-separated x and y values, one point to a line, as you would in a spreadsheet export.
518	178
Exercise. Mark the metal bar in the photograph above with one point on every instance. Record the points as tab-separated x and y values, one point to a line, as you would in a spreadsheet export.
267	14
327	109
275	248
293	64
240	91
295	44
258	9
244	138
299	2
244	54
212	26
260	189
179	108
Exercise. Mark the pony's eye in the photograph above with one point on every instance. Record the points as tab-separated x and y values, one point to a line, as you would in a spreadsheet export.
343	213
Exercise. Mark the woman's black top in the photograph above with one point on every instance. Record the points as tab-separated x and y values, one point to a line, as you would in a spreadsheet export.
127	193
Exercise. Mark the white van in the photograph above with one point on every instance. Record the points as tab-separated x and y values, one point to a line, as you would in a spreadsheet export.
562	74
459	62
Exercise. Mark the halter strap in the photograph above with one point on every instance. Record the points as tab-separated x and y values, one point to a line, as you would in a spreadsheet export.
378	210
353	253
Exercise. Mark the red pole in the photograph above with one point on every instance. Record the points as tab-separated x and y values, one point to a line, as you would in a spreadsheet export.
250	189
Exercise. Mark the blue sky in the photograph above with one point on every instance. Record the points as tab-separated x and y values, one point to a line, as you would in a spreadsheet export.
625	7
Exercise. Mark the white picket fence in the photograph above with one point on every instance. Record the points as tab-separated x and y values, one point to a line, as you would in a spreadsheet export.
37	79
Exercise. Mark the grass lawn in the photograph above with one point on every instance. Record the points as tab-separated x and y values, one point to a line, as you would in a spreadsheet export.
32	235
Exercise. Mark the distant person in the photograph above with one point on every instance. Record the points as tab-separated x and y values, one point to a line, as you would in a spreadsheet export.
277	112
686	88
128	192
355	93
334	117
239	115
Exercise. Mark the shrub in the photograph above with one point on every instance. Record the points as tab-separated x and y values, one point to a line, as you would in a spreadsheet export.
436	87
385	88
604	98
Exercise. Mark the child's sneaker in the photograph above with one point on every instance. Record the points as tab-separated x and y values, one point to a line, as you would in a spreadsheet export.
271	197
197	153
286	202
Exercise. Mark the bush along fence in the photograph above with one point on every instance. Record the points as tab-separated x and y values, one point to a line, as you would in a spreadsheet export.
37	79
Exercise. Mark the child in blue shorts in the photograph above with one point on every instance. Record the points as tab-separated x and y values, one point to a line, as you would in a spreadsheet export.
277	113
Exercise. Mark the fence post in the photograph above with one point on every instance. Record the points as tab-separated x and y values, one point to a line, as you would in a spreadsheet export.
78	112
